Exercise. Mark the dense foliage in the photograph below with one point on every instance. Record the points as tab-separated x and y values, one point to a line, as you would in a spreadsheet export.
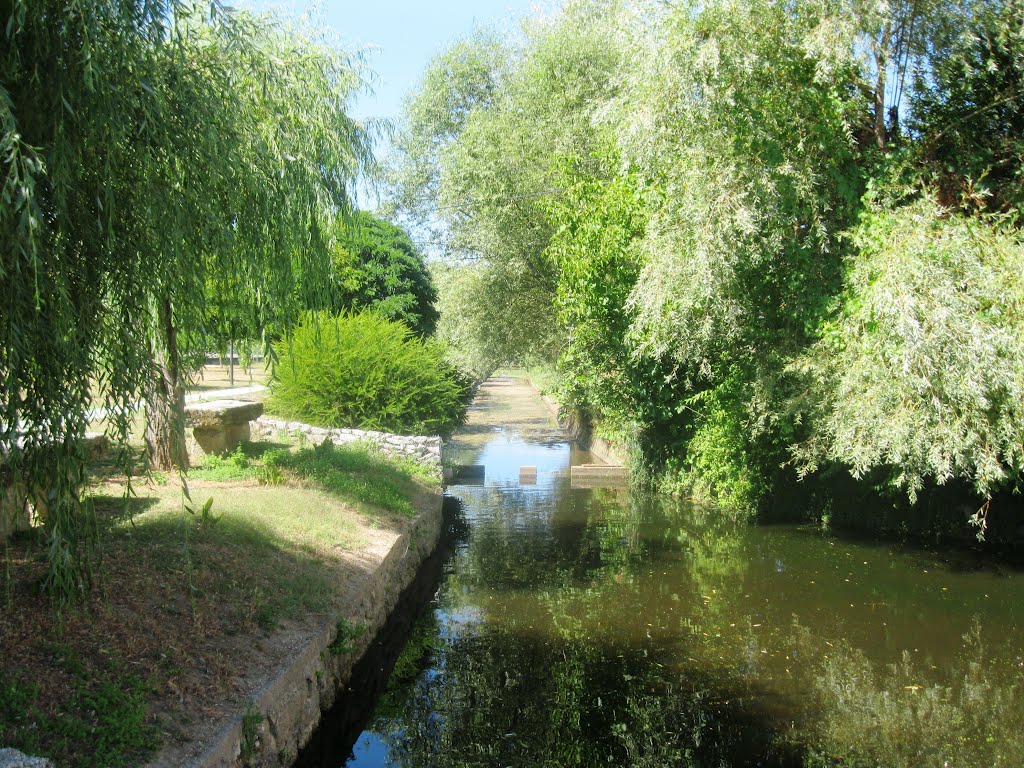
760	241
377	266
363	371
167	169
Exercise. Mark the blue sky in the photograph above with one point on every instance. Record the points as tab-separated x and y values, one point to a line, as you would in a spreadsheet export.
405	34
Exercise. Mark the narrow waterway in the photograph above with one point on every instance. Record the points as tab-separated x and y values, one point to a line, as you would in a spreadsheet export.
596	627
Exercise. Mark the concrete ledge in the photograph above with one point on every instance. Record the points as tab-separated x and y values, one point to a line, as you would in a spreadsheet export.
598	476
600	449
278	719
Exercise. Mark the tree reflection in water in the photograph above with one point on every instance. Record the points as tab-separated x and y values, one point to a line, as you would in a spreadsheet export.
597	627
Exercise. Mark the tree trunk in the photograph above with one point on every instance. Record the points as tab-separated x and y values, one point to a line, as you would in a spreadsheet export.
165	403
881	62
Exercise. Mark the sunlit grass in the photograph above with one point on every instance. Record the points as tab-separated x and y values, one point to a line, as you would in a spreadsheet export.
359	472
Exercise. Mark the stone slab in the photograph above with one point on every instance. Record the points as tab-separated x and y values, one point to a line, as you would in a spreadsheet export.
12	758
219	413
597	476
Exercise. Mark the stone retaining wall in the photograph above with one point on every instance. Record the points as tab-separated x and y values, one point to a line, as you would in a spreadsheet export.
424	449
279	718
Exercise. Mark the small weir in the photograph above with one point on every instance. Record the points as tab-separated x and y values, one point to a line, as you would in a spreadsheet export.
573	625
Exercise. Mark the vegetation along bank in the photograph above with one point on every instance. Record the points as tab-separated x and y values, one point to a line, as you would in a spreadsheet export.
771	248
157	208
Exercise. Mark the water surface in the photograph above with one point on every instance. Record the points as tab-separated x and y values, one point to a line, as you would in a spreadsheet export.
592	627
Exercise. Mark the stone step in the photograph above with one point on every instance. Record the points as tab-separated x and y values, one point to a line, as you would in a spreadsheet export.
464	474
598	476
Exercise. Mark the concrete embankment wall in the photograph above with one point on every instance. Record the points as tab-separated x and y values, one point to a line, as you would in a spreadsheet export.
279	718
600	449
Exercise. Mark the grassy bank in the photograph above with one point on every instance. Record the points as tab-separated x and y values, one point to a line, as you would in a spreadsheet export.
192	595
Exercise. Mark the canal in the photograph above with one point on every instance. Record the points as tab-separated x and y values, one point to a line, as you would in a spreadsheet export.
603	627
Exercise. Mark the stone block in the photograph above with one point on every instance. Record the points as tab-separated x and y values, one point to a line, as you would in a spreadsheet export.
96	445
598	476
222	425
14	511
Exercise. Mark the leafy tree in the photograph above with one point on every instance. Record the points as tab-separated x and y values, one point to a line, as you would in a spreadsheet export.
377	266
471	327
458	81
969	114
600	224
922	372
151	149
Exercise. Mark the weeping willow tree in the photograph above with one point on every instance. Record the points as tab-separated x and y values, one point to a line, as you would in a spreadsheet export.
150	149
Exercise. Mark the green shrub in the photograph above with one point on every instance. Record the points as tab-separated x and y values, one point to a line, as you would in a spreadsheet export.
363	371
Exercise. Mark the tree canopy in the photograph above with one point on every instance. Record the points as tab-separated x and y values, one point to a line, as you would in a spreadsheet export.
760	241
376	266
151	150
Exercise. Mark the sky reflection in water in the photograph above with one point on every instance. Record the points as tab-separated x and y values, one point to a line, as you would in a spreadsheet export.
586	627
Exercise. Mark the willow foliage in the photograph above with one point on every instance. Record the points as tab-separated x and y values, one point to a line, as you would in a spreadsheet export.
151	149
755	149
756	236
922	372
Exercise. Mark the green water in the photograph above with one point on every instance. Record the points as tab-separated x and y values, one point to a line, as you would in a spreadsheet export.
593	627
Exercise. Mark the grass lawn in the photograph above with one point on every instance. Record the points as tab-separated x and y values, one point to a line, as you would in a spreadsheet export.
188	596
212	377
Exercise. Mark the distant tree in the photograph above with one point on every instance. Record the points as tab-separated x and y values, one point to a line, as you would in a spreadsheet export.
479	151
376	266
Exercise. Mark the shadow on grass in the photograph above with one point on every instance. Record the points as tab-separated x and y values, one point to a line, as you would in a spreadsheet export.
114	510
100	723
253	574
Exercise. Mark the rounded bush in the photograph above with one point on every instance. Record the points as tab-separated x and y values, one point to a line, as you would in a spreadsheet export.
362	371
